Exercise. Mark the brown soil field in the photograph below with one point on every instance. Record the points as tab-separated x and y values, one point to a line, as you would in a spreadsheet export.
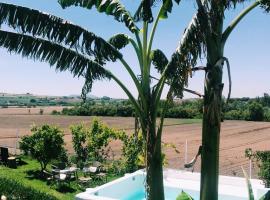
29	111
236	136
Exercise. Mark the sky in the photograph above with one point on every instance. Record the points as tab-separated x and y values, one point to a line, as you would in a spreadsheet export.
247	48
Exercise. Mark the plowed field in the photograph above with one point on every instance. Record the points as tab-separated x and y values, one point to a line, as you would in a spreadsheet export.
236	136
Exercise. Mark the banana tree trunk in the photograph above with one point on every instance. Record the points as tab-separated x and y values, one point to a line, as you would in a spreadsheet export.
211	126
154	171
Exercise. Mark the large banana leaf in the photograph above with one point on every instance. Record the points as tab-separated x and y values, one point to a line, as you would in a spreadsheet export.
144	12
265	4
119	41
110	7
186	55
159	60
55	54
38	24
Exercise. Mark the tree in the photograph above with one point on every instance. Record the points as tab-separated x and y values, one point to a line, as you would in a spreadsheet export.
79	135
45	144
205	34
70	47
256	112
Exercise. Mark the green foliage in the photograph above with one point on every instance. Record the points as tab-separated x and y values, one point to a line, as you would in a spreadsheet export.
264	165
119	41
159	60
14	190
184	196
41	111
91	143
55	112
144	12
113	8
45	144
236	109
256	112
98	138
79	135
132	151
263	162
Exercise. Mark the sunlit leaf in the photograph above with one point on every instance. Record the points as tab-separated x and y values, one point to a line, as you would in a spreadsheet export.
110	7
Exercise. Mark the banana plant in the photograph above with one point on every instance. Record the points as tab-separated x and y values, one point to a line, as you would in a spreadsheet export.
69	47
207	36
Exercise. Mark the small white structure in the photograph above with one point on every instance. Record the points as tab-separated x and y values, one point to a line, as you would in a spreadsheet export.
131	187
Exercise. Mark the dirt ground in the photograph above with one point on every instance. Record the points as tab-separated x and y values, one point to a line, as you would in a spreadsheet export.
236	136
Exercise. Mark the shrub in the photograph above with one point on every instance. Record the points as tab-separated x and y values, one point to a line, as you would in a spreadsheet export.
256	112
267	115
14	190
97	140
132	150
79	135
41	111
55	112
90	143
234	115
45	144
263	162
263	158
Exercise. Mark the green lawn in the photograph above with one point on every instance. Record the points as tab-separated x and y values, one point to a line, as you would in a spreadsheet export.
24	175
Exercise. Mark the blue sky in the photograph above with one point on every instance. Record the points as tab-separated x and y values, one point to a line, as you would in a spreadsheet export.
248	50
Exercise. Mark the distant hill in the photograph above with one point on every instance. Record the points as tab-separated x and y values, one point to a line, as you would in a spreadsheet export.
31	100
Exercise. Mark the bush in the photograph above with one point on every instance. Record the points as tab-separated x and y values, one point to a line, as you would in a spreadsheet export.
55	112
98	139
132	150
45	144
79	135
41	111
263	162
267	115
263	158
14	190
235	115
256	112
90	143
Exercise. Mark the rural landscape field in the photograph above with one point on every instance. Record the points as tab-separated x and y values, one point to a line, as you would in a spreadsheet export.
236	136
126	100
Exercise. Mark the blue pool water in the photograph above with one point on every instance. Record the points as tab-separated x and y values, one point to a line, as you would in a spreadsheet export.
170	194
132	188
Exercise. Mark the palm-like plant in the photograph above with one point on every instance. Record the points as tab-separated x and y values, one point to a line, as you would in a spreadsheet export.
206	34
66	46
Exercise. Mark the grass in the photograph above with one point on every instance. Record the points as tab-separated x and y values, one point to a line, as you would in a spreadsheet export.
25	174
173	122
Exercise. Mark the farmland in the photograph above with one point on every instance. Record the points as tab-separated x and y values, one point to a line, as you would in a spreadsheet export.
236	136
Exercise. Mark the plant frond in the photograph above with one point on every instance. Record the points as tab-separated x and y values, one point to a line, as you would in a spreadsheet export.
119	41
265	4
185	57
167	7
38	24
144	12
110	7
159	60
56	55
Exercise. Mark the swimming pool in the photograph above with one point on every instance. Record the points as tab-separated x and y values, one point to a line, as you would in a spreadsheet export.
131	187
